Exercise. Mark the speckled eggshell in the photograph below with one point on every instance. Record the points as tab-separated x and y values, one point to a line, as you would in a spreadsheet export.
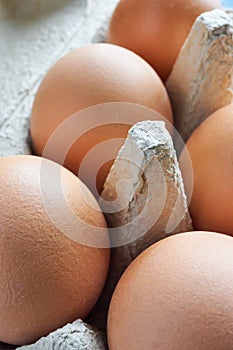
177	295
47	279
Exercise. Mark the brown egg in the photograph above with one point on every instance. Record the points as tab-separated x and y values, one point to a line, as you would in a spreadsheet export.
156	30
177	295
89	76
47	278
211	152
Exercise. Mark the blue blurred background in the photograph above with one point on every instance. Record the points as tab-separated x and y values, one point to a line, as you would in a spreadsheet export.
227	3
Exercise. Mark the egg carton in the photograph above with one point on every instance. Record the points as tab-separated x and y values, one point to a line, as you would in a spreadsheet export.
59	27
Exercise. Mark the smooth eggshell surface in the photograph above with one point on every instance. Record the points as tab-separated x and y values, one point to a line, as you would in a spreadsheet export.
88	76
211	151
156	30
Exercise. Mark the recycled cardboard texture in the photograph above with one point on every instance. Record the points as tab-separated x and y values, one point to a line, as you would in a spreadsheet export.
201	80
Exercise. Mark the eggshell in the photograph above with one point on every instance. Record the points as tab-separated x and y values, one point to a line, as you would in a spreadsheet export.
211	152
47	279
177	295
88	76
156	30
